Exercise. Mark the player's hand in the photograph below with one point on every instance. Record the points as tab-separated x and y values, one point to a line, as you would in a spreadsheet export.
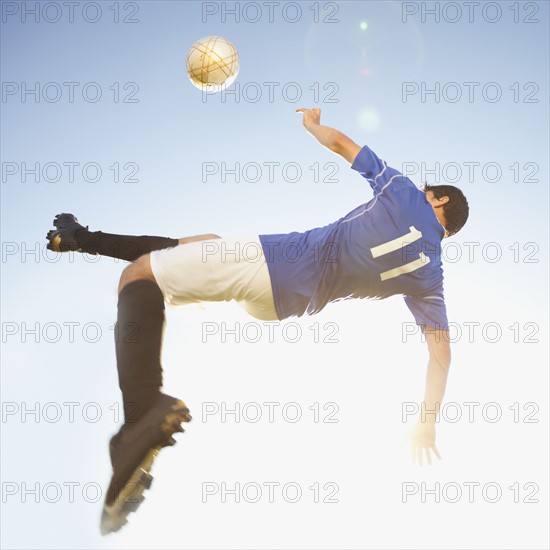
423	442
311	116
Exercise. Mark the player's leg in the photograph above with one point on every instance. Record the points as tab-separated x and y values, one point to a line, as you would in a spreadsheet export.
138	342
151	417
214	270
70	235
196	238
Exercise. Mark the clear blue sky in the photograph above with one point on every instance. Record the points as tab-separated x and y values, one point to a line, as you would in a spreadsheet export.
352	59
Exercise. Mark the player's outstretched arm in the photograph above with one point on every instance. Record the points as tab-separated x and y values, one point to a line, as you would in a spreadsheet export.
329	137
423	434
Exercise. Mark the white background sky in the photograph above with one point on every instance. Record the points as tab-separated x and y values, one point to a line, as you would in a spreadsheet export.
372	369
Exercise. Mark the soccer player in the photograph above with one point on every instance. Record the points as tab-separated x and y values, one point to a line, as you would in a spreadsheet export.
389	245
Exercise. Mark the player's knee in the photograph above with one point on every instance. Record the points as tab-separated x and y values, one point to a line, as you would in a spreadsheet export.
137	271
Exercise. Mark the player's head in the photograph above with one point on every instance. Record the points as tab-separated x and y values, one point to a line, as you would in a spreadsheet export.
452	202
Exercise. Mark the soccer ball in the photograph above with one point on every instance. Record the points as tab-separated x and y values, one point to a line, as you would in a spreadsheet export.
212	63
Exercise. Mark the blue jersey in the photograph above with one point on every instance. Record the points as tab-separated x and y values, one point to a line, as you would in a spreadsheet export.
389	245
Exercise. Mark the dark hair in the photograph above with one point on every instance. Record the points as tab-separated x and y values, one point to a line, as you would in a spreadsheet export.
456	210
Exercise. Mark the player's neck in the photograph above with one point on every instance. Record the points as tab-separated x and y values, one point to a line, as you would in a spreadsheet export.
440	217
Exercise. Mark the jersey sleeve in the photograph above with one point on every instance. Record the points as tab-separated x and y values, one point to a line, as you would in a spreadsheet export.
429	311
375	170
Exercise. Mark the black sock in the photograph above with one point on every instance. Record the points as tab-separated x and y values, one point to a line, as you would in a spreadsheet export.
138	342
124	247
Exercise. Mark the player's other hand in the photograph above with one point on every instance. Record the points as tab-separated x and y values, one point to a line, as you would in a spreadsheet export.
311	116
423	442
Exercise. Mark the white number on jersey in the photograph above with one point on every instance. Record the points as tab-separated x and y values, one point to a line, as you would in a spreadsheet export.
396	244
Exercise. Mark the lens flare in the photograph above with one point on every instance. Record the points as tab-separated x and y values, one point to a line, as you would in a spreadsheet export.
368	119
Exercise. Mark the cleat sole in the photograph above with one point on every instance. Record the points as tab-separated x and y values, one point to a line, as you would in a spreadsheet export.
131	495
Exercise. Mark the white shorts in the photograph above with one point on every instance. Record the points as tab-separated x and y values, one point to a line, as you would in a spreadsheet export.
216	270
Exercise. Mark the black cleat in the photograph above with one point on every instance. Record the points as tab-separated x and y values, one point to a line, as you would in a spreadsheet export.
133	450
63	238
